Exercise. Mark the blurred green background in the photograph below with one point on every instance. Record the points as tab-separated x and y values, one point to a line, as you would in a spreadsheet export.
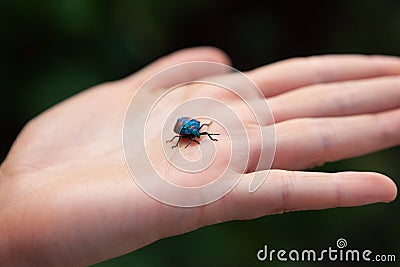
51	50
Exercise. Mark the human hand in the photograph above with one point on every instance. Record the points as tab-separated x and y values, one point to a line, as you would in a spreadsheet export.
66	195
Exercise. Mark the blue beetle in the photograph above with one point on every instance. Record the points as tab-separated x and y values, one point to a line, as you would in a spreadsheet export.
189	128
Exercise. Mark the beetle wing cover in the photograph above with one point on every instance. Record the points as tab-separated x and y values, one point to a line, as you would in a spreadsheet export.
191	126
180	123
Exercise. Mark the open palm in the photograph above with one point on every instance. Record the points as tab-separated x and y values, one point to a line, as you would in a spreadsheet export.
67	195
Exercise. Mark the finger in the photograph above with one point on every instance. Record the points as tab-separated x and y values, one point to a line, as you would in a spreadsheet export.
121	90
185	55
285	191
338	99
112	98
294	73
305	143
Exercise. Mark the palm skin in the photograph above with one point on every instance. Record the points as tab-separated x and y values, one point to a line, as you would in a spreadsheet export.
67	196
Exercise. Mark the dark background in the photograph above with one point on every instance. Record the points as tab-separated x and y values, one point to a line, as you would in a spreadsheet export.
51	50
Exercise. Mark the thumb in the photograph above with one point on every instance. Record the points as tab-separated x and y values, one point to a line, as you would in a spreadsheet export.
204	53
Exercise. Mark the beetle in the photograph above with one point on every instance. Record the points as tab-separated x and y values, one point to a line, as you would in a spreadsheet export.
189	128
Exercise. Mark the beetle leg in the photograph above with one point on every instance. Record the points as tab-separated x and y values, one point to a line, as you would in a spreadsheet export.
172	139
209	135
187	137
191	140
205	124
214	139
177	143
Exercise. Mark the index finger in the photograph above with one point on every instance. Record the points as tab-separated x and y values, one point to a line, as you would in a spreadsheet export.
291	74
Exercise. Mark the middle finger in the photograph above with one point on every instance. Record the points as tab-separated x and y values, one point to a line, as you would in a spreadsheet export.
338	99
